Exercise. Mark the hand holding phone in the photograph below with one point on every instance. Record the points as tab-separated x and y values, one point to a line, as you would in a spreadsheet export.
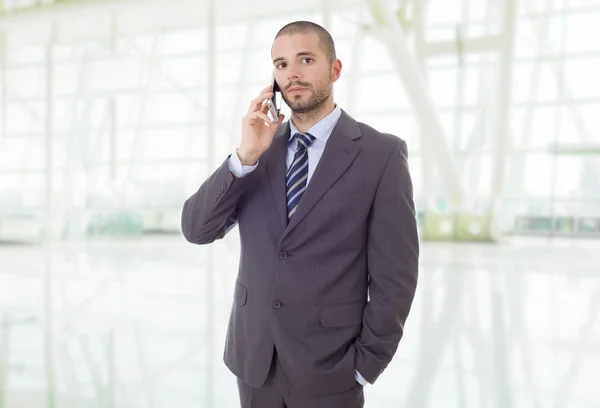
258	129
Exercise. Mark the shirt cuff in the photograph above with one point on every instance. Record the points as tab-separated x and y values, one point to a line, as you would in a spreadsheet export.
360	378
236	167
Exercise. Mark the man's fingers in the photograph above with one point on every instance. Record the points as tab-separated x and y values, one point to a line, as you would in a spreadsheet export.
256	103
258	117
265	107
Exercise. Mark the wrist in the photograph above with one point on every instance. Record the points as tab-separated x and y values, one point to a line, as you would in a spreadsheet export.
247	158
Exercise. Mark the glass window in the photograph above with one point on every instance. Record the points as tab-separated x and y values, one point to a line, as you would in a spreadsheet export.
583	31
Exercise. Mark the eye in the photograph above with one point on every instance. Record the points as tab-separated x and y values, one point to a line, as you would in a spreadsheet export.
307	59
280	65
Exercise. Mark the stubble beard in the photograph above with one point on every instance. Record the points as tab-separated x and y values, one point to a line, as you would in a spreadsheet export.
305	111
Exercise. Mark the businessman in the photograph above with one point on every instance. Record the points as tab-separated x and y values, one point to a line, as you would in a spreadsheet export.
329	246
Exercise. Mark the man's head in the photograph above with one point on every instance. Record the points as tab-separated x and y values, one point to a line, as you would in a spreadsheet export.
306	66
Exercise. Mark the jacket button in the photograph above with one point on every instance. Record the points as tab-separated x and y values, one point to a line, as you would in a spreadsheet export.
283	255
276	304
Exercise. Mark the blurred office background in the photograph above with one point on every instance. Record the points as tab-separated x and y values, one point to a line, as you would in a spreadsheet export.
113	112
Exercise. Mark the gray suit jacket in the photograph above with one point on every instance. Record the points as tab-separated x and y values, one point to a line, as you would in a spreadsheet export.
332	289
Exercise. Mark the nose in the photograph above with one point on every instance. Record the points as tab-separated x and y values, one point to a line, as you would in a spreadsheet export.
293	75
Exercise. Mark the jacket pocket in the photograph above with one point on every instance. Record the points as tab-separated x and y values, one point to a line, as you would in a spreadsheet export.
240	293
348	314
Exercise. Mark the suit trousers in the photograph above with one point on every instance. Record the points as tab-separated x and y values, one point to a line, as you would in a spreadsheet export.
278	392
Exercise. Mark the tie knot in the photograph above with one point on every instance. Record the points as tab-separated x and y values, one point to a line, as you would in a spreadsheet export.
304	139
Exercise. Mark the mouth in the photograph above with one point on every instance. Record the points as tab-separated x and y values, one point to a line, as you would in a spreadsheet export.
295	90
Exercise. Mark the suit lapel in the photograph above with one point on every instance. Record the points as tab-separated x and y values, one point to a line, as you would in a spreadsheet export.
276	167
340	151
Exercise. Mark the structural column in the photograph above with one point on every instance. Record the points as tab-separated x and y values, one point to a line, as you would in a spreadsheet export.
391	35
503	111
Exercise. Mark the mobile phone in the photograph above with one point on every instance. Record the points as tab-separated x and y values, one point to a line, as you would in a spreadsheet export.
272	102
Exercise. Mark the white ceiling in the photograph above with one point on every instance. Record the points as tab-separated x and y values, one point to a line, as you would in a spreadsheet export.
93	18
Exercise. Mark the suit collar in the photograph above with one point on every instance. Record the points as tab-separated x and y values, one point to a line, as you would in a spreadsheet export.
345	126
322	129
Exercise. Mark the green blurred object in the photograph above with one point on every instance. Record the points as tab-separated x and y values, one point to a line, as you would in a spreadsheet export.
21	228
592	149
589	225
463	227
564	226
533	224
115	224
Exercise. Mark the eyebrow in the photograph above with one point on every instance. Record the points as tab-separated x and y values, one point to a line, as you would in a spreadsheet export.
300	54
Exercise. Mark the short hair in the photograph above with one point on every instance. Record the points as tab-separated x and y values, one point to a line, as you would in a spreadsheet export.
304	27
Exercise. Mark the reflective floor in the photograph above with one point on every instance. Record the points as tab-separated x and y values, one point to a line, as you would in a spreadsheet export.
142	324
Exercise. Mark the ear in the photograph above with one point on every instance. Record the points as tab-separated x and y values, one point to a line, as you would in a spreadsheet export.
336	70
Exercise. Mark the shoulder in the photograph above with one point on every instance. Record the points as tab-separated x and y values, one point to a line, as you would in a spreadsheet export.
380	140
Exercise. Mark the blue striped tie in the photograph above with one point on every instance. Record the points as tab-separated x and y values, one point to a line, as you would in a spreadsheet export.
297	175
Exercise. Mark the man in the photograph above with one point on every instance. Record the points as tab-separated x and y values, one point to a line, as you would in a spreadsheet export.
329	245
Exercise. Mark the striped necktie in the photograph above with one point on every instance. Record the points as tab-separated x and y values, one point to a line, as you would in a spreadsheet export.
297	175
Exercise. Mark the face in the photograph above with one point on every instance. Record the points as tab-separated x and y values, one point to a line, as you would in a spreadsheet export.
303	72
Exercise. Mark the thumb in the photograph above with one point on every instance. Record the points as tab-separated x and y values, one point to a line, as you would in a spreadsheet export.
281	118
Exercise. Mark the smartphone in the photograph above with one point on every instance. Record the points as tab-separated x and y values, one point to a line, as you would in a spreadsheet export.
272	102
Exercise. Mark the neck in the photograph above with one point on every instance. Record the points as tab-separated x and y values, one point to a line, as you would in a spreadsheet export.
305	120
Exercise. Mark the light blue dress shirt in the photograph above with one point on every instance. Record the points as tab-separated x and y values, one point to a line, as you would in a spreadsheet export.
321	131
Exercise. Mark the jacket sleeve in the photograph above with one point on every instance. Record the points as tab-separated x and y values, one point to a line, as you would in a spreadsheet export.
392	256
210	213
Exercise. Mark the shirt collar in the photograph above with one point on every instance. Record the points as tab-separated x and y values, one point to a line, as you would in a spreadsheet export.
323	128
